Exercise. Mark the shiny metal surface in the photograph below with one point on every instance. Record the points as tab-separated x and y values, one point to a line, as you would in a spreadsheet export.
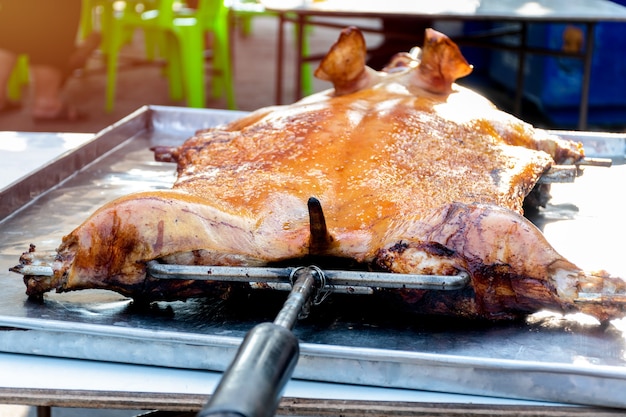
503	10
347	339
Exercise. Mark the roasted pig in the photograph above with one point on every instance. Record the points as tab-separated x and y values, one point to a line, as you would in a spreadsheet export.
412	173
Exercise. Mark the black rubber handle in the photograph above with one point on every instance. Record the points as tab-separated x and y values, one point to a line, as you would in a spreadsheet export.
253	383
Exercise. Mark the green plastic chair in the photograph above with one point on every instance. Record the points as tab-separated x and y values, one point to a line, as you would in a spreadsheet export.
96	15
244	11
180	34
20	76
213	15
90	9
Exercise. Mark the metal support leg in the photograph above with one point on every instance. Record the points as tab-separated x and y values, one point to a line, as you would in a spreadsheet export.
279	59
232	27
584	94
299	55
44	411
521	63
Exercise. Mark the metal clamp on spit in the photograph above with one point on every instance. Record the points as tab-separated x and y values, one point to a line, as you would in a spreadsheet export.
321	292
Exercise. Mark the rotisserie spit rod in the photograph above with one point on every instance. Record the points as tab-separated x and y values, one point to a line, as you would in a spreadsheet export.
337	281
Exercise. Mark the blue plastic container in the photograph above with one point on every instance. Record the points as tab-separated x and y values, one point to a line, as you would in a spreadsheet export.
554	83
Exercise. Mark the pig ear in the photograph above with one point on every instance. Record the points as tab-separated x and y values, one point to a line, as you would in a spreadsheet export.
344	64
441	63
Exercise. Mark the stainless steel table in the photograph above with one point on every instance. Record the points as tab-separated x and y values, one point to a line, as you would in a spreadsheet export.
93	349
58	382
522	12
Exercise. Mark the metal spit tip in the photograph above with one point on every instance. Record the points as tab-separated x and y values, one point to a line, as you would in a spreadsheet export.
33	270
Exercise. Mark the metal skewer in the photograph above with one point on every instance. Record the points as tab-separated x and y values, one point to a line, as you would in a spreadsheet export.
279	278
598	162
336	281
568	173
559	173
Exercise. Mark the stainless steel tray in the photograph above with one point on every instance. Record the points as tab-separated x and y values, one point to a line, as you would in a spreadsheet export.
348	338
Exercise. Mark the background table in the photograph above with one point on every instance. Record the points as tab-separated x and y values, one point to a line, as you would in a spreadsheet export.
522	12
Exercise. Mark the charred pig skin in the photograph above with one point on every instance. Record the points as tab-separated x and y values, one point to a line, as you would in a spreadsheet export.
415	174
